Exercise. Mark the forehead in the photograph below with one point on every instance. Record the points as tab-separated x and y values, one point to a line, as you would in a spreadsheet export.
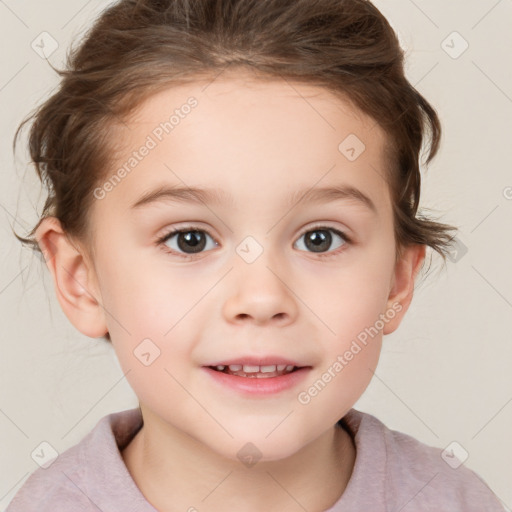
246	135
232	99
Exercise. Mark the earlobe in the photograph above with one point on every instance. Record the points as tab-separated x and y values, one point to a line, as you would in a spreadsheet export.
402	288
72	277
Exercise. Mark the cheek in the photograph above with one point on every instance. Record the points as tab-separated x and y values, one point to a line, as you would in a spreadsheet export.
352	307
351	298
144	295
352	344
155	357
350	350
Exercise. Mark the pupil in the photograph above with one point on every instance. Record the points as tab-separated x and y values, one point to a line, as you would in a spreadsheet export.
320	240
191	240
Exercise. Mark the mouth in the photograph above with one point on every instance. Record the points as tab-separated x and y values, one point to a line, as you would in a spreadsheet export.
253	371
257	376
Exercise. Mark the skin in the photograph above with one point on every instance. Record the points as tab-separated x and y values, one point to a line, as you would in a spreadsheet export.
259	141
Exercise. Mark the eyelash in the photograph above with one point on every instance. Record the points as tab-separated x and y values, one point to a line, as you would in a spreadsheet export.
161	241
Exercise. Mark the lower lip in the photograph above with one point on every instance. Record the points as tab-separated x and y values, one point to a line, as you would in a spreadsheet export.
255	386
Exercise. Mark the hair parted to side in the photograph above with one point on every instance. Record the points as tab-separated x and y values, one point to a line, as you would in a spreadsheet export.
139	47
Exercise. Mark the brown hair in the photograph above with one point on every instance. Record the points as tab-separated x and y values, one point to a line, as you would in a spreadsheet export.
138	47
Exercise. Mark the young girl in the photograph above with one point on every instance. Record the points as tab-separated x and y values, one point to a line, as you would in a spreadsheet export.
233	204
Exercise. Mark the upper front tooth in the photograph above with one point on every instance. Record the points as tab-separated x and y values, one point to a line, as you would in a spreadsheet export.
251	369
289	368
220	367
247	368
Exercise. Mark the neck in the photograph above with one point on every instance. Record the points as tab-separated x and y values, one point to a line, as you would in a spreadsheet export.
178	472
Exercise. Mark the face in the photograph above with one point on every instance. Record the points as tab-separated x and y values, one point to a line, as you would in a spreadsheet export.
270	270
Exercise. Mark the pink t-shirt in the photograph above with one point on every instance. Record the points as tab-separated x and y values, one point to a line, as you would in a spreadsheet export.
392	472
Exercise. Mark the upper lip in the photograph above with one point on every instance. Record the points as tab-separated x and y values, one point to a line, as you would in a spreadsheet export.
257	361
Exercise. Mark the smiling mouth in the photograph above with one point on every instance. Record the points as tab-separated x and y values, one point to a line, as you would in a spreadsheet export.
256	372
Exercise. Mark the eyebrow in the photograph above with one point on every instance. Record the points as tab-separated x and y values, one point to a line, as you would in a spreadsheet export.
203	195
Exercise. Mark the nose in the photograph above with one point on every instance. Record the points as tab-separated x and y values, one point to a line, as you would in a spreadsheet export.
260	294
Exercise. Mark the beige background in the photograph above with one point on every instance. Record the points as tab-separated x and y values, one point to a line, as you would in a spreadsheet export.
443	376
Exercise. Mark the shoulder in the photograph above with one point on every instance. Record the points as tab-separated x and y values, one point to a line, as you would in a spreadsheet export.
436	475
77	478
56	487
416	476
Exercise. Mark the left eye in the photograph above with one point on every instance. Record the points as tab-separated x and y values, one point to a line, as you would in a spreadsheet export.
319	239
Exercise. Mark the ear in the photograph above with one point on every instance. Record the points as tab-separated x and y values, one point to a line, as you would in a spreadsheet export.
74	279
402	284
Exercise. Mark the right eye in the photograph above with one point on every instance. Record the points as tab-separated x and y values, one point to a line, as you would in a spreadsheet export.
191	239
